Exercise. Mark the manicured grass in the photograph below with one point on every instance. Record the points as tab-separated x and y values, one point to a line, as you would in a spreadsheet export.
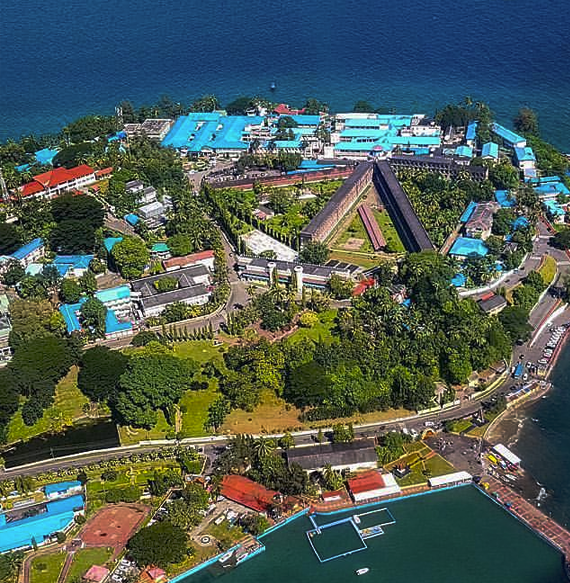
355	230
435	466
548	269
225	533
129	436
67	407
199	350
84	559
365	260
46	568
460	425
388	230
321	331
195	410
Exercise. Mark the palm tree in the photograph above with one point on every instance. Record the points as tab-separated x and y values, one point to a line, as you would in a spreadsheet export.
264	447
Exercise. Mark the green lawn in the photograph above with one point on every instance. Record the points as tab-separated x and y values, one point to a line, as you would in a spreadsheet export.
46	568
84	559
365	260
355	230
200	350
435	466
129	436
68	406
321	331
388	230
195	405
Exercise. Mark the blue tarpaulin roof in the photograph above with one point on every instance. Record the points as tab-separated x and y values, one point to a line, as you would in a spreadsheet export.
554	208
468	212
464	151
22	167
61	487
458	280
465	246
525	154
520	223
19	533
25	250
471	132
132	219
113	325
490	150
504	199
509	136
45	156
112	294
110	242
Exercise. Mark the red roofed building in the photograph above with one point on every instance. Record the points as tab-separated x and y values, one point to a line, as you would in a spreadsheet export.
372	484
96	574
205	258
249	493
283	109
152	575
103	173
52	183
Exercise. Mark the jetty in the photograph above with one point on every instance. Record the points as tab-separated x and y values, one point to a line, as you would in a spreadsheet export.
532	517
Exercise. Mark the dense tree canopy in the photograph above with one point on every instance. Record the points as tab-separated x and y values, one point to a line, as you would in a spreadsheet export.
101	369
160	544
10	238
153	380
130	256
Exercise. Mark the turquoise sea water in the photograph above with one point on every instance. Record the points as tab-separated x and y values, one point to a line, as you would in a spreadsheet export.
544	442
455	536
72	57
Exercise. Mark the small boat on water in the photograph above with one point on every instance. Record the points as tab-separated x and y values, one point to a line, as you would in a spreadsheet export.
362	571
273	86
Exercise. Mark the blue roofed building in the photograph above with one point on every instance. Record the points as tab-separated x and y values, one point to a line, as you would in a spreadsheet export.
61	489
72	265
504	198
556	212
551	190
509	137
50	518
471	134
465	152
118	320
525	158
214	133
160	251
490	151
46	156
463	247
110	242
520	223
466	215
458	280
30	253
132	219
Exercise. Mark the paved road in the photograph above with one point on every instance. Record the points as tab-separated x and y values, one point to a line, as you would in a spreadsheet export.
467	407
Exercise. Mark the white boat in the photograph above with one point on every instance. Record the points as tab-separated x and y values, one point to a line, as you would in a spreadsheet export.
362	571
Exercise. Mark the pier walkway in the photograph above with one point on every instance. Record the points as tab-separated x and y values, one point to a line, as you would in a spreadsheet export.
543	525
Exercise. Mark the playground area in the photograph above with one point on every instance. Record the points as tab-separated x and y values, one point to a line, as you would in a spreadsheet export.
340	538
113	526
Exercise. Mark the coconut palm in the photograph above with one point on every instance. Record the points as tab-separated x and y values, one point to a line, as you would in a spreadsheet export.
264	447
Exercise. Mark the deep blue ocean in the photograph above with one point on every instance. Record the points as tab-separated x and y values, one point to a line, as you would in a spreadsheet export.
66	58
